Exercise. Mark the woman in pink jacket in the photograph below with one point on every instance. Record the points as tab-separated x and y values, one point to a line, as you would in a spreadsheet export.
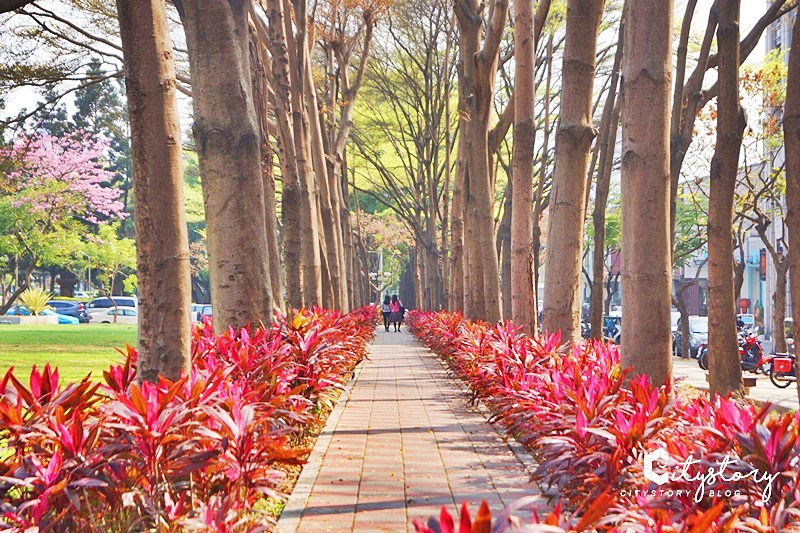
397	309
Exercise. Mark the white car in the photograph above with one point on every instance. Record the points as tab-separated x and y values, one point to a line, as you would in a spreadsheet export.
201	310
125	315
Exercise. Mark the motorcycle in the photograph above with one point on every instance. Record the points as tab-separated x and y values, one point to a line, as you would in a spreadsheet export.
783	370
702	355
751	354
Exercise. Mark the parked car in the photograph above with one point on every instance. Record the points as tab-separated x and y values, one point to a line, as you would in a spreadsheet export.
698	334
70	308
104	304
23	311
82	295
125	315
201	310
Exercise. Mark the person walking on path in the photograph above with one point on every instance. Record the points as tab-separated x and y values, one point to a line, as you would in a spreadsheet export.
396	307
386	309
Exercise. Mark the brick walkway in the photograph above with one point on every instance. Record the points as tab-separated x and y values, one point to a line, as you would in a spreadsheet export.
406	443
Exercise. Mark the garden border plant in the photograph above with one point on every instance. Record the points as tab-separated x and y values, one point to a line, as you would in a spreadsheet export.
589	423
197	454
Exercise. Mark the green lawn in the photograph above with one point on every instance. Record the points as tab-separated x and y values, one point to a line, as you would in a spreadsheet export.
75	350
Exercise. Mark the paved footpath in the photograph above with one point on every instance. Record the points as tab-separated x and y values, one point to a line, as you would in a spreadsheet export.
406	443
691	374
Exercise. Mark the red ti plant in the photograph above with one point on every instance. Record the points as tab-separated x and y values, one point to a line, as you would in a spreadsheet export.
589	423
198	453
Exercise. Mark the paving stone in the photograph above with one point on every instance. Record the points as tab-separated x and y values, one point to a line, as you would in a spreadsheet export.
406	443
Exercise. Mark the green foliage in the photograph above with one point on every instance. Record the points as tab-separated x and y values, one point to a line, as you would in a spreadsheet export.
130	284
691	225
386	232
109	254
35	300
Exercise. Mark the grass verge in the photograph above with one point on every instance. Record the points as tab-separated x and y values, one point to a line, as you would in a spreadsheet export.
76	350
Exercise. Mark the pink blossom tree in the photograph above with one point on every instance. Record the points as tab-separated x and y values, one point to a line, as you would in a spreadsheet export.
51	190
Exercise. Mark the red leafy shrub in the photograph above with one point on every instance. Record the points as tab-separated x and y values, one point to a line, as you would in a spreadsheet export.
590	425
194	454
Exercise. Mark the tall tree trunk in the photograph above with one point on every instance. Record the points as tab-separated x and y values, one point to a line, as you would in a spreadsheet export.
448	148
456	296
162	252
791	136
646	277
278	73
562	302
607	146
361	252
474	302
739	266
539	200
433	276
258	62
599	221
339	140
419	275
680	303
523	304
309	200
335	297
725	371
781	263
479	64
779	306
227	138
353	296
504	251
678	98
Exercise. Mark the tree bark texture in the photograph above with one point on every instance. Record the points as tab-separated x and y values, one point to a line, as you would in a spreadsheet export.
456	293
791	135
540	201
607	146
646	276
504	250
308	217
335	297
779	306
277	44
480	61
562	303
162	251
523	305
725	371
227	137
258	61
599	221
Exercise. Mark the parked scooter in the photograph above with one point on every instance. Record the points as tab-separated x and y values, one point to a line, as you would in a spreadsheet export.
751	354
